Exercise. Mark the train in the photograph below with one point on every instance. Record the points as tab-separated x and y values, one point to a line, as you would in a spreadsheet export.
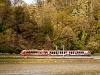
55	52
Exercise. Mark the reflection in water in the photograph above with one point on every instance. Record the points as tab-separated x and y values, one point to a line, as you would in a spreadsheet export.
51	69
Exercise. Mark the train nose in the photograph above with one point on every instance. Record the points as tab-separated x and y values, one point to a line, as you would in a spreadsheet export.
23	53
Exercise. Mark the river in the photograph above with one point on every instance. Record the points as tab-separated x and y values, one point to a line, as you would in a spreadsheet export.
50	69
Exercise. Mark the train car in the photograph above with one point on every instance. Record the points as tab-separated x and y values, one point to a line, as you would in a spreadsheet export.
34	52
69	52
56	52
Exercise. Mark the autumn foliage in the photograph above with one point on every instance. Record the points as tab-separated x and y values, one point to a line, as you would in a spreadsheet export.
49	23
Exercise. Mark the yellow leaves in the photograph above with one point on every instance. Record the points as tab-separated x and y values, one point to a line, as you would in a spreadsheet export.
2	8
67	31
82	13
2	38
7	36
2	5
75	12
93	44
25	26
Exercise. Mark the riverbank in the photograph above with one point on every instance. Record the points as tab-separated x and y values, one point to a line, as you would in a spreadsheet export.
48	60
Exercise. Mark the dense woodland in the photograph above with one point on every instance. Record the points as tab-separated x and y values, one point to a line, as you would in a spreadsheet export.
49	23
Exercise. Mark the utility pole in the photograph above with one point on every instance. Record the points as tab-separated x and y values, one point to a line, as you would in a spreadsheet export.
56	47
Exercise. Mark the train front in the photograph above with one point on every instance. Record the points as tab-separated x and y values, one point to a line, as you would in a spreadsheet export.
23	52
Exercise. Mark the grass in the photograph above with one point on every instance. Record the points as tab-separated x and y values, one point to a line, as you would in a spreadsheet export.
46	60
96	54
8	54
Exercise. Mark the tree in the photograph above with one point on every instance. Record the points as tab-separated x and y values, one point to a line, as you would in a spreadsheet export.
17	2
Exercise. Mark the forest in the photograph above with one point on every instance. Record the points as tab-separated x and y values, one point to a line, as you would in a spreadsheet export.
49	23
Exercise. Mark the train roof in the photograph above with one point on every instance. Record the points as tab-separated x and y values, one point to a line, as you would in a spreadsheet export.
54	50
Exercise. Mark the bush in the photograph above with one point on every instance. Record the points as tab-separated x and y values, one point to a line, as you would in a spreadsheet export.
6	48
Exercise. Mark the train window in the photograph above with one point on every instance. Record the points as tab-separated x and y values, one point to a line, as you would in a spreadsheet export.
27	51
51	52
33	52
45	52
56	52
71	52
61	52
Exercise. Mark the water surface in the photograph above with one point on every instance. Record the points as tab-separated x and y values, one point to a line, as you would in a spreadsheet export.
50	69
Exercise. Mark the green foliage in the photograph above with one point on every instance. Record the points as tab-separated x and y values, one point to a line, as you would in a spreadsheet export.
47	24
19	14
5	48
47	29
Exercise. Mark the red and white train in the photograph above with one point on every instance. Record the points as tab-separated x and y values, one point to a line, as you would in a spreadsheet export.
56	52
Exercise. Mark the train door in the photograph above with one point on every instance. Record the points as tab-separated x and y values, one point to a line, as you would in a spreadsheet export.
67	53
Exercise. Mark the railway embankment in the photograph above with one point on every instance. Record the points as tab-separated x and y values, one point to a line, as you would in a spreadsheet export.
49	59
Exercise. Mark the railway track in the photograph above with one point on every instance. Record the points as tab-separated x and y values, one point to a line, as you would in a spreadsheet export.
67	57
